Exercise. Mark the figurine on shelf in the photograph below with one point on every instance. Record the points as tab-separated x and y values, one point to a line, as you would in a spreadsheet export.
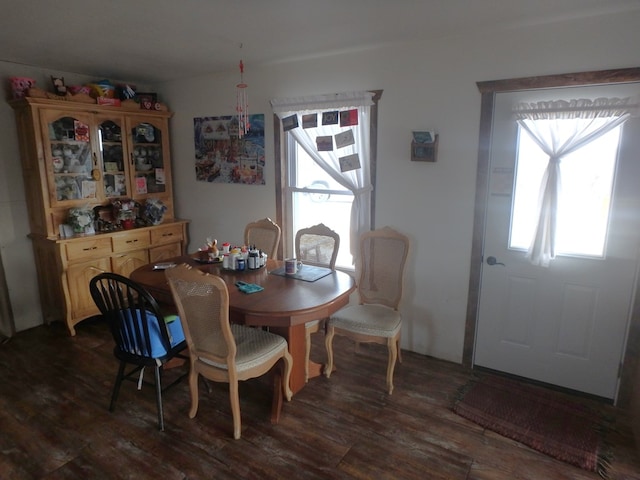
127	219
212	245
154	211
58	85
81	219
126	212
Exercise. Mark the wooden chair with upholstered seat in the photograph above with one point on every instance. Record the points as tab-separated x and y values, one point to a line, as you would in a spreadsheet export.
317	245
376	319
221	351
265	235
143	335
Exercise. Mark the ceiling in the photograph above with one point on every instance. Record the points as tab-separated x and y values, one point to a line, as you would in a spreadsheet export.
152	41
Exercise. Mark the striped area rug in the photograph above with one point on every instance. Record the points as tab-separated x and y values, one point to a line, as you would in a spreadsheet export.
540	418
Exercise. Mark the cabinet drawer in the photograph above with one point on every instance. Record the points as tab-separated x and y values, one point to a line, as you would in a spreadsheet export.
95	247
130	240
166	234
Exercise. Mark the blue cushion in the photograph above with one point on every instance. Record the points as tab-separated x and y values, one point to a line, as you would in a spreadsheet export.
176	335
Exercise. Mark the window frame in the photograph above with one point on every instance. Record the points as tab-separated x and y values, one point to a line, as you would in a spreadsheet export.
281	149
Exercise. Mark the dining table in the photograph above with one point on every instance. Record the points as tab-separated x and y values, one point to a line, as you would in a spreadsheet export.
284	306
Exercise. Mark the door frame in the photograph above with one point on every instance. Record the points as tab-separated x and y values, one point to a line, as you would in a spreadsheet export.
489	90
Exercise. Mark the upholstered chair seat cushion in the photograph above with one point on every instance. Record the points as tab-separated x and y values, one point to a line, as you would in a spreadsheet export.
254	347
369	319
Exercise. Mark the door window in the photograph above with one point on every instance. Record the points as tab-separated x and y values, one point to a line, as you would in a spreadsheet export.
584	200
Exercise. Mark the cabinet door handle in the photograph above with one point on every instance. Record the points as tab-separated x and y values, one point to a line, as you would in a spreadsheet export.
167	234
90	248
132	241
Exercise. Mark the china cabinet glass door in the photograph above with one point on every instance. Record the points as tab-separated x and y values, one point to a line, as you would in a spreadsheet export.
70	162
148	152
113	155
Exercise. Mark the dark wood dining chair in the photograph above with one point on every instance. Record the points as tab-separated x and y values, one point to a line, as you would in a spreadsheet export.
376	319
143	335
265	235
221	351
317	245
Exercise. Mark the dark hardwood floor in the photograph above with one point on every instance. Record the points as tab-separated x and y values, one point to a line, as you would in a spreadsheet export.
54	422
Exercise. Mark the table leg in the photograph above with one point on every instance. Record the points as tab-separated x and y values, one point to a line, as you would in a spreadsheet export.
315	369
296	339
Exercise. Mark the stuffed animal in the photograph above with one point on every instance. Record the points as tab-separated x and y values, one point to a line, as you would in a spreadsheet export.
58	85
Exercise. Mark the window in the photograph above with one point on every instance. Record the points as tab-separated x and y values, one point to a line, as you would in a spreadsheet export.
561	128
583	201
311	187
315	198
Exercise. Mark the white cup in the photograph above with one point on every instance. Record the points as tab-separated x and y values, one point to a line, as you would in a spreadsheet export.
233	260
292	266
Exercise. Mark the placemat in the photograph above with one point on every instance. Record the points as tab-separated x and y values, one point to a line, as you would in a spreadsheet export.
307	273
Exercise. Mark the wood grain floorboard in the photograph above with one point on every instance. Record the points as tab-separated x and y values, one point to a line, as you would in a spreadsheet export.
55	423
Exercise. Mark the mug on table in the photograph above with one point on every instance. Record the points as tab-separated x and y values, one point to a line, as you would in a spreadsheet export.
292	266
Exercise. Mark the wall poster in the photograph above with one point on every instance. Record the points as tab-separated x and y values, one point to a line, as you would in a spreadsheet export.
223	157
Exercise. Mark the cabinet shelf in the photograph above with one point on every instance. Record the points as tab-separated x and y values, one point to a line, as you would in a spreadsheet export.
68	141
72	174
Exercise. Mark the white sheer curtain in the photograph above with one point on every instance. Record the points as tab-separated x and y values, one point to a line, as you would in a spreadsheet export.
357	181
547	124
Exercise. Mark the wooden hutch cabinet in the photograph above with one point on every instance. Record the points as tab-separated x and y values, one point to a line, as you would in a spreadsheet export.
87	155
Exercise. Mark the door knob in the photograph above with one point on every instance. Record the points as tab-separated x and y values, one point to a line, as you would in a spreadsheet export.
493	261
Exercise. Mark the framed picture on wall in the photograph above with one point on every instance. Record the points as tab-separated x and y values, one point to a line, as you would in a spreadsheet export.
290	122
222	156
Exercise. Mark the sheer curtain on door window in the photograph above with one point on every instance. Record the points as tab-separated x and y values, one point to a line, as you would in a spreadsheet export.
560	128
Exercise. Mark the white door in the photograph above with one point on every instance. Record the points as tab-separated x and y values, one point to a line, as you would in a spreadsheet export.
564	325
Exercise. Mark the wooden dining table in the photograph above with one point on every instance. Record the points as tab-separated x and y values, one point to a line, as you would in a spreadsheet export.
284	306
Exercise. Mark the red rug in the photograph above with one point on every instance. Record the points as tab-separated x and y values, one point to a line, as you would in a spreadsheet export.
539	418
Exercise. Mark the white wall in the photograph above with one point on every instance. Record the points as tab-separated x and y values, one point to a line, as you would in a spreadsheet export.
426	85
